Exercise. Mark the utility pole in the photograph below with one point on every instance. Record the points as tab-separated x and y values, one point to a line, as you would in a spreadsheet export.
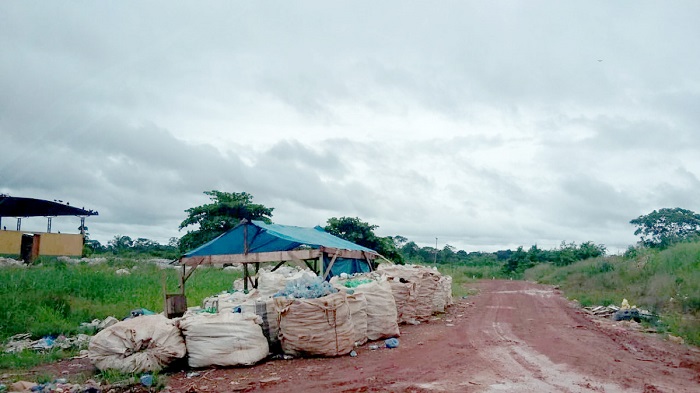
436	251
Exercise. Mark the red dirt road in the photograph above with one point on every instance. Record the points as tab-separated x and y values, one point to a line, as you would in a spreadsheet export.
513	336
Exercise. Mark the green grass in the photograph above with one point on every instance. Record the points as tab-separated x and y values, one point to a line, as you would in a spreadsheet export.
55	297
665	282
28	359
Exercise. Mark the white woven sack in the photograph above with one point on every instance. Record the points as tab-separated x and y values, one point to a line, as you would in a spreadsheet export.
426	294
405	294
358	312
443	294
315	327
381	310
137	345
265	308
405	297
224	339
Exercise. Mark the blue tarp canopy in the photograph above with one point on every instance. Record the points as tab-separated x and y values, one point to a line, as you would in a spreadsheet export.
262	237
256	241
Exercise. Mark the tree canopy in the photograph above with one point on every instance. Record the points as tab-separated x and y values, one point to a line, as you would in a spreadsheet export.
359	232
225	211
666	226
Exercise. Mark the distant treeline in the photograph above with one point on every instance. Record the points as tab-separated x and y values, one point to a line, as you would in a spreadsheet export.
511	262
125	246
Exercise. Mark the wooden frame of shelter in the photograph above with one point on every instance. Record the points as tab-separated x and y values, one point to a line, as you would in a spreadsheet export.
314	255
313	258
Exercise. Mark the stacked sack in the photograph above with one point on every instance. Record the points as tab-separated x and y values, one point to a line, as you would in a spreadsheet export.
260	302
381	306
314	319
141	344
223	339
443	295
431	291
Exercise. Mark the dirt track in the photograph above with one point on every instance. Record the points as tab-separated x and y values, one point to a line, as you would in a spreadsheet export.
513	336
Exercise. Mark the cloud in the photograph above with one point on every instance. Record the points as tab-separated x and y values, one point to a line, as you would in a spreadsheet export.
485	126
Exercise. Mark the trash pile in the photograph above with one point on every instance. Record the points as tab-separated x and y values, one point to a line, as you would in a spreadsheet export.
306	287
625	312
292	313
9	262
57	385
20	342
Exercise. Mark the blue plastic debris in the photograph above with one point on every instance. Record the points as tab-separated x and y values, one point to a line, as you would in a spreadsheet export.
391	342
146	380
306	287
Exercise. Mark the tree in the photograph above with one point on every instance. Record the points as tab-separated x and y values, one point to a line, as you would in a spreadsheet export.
120	244
666	226
225	212
359	232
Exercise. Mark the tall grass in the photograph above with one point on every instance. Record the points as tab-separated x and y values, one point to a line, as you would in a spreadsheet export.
666	282
55	297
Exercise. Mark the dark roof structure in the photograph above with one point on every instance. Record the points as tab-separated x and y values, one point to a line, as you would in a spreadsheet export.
30	207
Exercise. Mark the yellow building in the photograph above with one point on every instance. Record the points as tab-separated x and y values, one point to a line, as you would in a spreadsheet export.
29	245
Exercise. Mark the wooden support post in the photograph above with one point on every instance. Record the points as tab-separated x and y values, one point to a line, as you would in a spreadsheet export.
183	279
245	277
330	265
257	269
369	261
309	265
277	266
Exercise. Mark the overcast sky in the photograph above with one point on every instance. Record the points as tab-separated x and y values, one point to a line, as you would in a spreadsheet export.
486	124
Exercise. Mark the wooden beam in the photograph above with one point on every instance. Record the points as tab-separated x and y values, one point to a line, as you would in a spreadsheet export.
352	254
274	256
330	265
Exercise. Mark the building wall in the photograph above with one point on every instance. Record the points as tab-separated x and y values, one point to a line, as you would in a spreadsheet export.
10	242
49	243
61	244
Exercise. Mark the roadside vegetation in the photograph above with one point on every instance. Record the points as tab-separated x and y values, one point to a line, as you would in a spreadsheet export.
53	297
666	282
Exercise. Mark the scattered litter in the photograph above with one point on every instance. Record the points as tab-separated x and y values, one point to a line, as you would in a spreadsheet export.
9	262
449	324
676	339
192	374
23	386
96	325
146	380
602	311
141	311
20	342
353	353
270	379
374	346
391	342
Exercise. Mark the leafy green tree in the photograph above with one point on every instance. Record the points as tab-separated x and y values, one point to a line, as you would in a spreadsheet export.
517	262
359	232
224	212
666	226
120	244
411	252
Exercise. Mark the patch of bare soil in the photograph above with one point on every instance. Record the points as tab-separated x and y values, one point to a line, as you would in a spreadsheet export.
513	336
